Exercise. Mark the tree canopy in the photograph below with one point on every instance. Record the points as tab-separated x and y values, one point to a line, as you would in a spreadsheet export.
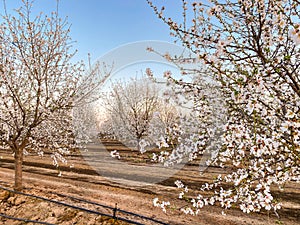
250	49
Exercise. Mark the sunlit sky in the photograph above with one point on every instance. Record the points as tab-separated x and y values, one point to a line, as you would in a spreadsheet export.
101	25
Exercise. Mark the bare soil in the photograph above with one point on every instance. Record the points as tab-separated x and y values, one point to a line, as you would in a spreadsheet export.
79	179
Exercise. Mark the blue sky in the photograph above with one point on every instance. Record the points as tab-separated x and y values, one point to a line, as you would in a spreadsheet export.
101	25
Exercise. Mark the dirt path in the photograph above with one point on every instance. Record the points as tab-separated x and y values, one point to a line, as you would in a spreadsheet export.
137	199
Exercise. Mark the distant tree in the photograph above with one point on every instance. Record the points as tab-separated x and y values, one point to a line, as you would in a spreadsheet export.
39	86
130	107
165	120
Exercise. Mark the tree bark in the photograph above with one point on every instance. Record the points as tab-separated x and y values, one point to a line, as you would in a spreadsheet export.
138	145
18	169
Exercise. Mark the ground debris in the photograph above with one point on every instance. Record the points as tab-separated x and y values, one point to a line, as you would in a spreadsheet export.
4	195
28	208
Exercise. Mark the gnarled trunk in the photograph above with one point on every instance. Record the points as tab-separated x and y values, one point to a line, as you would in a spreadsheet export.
18	168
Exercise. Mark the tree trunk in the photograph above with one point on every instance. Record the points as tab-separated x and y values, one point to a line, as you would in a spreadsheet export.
18	169
138	145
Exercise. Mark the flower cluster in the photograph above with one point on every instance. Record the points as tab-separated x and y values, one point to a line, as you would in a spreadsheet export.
115	154
162	204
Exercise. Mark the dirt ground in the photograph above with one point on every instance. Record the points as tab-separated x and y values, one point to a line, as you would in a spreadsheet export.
79	179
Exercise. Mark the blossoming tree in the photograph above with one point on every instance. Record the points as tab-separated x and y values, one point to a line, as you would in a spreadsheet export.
39	86
130	108
250	50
